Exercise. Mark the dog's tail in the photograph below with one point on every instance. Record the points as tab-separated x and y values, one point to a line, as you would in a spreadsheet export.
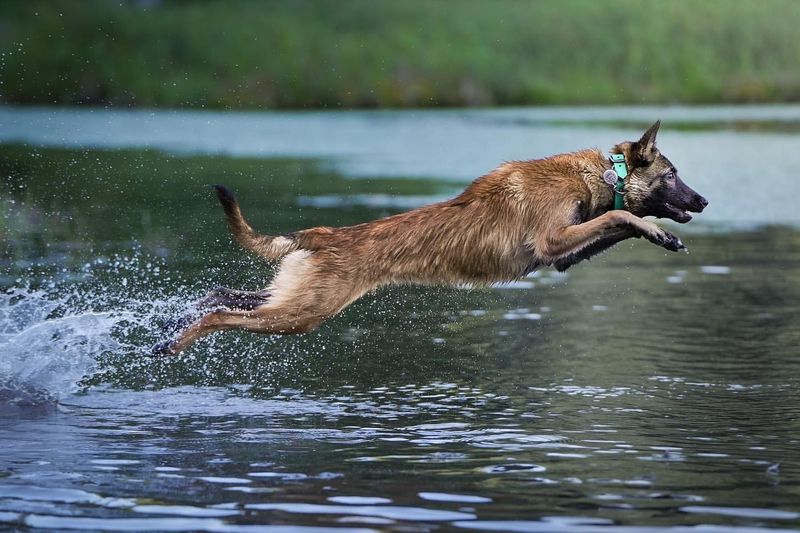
267	246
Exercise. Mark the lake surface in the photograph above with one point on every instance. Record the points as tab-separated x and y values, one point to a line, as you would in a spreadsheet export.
640	391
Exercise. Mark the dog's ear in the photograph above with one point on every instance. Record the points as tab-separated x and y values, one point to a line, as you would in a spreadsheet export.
644	150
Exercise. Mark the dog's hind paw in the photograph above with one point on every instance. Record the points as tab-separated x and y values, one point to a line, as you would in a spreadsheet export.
176	324
161	349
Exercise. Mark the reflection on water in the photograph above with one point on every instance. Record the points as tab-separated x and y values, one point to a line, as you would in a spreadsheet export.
641	391
405	453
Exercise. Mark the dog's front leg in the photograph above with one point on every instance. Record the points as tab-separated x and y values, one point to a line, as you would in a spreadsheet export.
653	233
595	247
602	232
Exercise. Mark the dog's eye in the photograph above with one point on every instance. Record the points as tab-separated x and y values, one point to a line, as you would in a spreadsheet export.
669	176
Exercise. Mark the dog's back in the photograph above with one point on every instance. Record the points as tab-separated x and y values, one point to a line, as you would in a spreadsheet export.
493	231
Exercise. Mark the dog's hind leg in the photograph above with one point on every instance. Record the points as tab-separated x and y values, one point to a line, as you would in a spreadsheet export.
234	299
266	320
304	293
220	297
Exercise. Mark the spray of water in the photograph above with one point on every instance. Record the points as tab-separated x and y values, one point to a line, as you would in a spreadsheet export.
64	332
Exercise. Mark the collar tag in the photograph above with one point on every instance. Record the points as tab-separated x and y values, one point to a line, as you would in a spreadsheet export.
621	170
610	177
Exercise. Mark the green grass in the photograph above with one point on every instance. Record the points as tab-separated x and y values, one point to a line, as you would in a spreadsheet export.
382	53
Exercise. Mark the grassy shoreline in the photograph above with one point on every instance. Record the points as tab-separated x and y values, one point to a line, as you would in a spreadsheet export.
376	53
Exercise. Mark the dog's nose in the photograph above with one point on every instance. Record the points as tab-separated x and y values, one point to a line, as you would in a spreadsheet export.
702	201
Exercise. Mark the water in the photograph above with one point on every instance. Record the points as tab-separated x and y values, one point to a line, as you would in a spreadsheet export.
743	163
640	391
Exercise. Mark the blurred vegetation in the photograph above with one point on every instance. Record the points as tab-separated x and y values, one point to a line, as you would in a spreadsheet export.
383	53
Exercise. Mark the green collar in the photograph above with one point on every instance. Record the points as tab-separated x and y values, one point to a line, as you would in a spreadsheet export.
620	168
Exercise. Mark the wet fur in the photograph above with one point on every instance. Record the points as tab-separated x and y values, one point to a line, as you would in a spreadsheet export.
522	216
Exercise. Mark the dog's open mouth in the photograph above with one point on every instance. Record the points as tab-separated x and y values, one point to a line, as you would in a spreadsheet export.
677	214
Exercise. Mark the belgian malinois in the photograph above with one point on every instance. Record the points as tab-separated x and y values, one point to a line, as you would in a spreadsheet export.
524	215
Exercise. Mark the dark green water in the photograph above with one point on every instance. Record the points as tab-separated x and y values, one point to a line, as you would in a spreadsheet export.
641	390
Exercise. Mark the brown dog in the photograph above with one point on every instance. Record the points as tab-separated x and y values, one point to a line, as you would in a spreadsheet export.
522	216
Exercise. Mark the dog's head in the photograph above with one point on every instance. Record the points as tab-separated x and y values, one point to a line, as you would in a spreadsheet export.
653	187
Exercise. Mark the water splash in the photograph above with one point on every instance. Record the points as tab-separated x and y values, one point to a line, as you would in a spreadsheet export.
56	331
48	355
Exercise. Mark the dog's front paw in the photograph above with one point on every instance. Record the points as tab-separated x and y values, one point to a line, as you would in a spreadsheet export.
161	349
673	243
664	239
